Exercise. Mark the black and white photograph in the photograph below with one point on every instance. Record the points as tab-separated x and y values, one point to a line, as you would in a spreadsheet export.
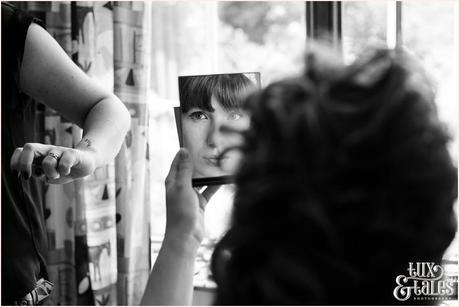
243	153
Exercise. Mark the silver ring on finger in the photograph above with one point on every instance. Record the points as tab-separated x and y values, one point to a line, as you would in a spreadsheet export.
55	156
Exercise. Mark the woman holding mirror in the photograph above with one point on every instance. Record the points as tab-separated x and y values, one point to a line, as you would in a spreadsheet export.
345	179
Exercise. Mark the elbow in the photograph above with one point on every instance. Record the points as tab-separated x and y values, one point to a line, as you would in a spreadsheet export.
126	120
123	124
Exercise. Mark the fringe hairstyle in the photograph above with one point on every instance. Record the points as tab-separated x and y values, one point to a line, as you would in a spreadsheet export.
229	89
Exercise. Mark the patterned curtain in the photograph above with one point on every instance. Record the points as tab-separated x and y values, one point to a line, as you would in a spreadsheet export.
98	227
132	184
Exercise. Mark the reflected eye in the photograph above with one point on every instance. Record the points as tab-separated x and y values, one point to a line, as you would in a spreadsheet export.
198	115
234	116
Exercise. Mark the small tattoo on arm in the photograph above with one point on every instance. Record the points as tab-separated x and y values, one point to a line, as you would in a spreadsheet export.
87	142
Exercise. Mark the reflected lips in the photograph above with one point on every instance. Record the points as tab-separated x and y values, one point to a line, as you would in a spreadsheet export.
214	160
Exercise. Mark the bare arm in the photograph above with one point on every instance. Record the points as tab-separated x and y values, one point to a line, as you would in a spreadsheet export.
49	75
171	280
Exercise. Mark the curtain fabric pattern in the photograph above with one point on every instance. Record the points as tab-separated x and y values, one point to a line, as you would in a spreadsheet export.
132	186
98	227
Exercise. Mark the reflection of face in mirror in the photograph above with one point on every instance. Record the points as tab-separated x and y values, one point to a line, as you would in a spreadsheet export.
204	140
208	103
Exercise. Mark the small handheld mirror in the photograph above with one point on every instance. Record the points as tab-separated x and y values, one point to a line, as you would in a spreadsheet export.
208	105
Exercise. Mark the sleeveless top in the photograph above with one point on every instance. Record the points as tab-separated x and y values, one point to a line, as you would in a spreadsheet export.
24	242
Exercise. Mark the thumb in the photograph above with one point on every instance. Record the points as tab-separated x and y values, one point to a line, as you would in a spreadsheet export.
185	168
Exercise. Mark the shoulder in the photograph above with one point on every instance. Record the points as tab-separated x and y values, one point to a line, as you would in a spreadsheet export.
15	25
8	12
17	21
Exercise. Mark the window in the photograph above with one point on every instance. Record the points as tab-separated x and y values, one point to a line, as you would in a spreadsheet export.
363	24
204	38
270	37
428	29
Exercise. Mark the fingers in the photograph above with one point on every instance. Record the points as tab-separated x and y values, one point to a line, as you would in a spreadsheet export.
66	162
14	162
181	169
50	164
184	169
58	164
210	191
170	179
23	158
25	161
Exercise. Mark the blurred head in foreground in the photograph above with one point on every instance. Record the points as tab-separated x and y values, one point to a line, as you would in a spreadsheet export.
346	178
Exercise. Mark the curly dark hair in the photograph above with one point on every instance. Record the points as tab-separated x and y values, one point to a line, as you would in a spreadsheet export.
346	178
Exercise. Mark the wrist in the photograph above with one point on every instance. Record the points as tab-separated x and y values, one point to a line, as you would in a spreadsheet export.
181	242
86	146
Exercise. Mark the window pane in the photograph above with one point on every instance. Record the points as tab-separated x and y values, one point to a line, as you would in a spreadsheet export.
364	23
195	38
268	37
430	32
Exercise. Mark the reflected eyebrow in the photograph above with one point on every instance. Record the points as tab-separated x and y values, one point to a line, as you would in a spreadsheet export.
195	109
238	109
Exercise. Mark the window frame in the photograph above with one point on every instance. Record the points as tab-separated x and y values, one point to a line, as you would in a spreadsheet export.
324	22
